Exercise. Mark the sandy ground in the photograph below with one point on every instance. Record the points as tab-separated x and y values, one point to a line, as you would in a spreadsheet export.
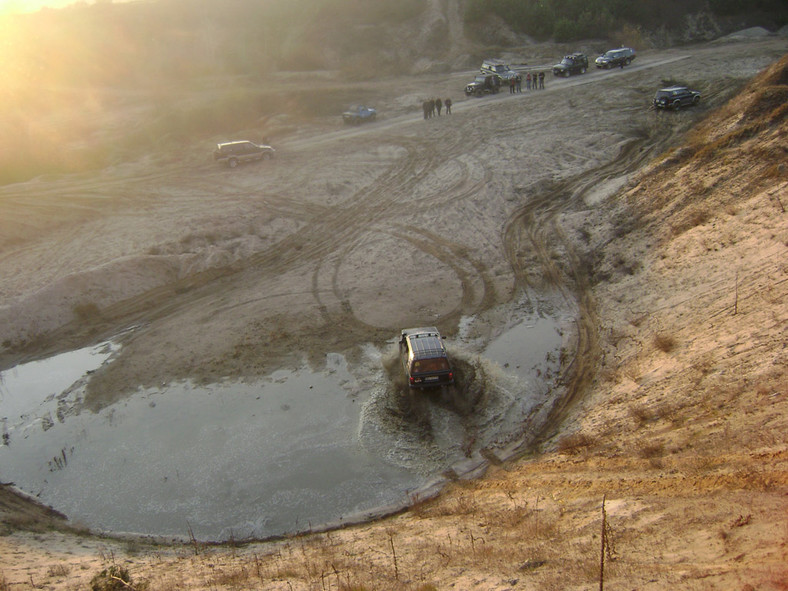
351	234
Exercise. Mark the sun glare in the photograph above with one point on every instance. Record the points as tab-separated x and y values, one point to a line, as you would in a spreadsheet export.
18	6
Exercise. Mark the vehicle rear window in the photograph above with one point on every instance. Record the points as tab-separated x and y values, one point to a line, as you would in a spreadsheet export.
430	365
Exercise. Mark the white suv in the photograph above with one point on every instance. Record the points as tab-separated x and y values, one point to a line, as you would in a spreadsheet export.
234	153
499	68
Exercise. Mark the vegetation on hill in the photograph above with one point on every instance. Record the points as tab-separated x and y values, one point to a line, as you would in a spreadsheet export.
139	42
571	20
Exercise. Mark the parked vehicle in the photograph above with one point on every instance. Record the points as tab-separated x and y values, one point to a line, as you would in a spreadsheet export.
676	97
615	58
574	63
424	358
483	84
234	153
359	114
498	68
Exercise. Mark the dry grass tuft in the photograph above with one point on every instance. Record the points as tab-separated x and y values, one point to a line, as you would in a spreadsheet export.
58	570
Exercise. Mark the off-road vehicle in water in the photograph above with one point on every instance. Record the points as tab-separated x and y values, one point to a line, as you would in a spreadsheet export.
574	63
424	358
483	84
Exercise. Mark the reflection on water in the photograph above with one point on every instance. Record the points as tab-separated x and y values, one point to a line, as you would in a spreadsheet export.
228	460
528	349
24	387
297	450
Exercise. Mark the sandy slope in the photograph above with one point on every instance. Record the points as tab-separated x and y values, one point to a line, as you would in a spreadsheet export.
676	389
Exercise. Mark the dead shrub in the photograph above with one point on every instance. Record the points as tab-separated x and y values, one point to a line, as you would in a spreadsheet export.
86	312
465	505
699	216
232	578
642	414
694	217
651	450
775	171
114	578
421	507
665	343
353	587
575	443
704	364
766	102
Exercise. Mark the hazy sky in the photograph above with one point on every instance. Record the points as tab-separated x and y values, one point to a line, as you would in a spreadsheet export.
8	6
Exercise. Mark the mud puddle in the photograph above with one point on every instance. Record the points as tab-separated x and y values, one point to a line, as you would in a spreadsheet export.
297	451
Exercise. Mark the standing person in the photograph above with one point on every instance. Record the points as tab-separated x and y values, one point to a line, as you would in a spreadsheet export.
511	85
438	106
519	82
541	80
528	81
447	102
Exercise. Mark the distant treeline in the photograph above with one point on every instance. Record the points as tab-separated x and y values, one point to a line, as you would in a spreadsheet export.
571	20
131	42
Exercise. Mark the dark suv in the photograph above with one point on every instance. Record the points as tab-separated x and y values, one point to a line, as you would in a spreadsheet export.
233	153
676	97
424	358
483	84
574	63
615	58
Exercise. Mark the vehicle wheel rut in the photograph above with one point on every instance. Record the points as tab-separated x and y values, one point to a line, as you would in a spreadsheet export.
533	234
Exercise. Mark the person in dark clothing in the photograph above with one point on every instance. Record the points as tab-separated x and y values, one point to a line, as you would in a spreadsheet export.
541	80
438	106
429	108
447	103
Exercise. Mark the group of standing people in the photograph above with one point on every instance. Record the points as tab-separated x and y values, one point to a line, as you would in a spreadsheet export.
533	81
435	105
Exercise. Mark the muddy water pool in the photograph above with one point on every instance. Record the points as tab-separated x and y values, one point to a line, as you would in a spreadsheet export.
298	450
